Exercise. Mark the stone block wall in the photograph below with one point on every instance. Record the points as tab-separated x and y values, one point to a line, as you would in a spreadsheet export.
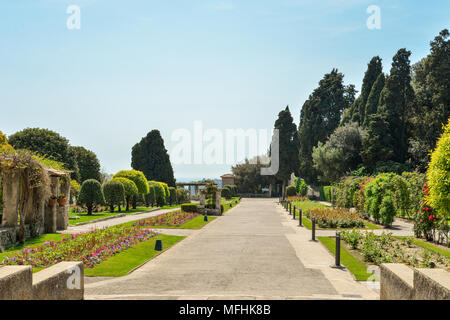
62	281
399	282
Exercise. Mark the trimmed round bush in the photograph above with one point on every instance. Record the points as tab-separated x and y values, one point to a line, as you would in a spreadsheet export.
137	177
226	192
91	194
387	211
150	197
160	193
290	191
182	195
114	193
130	188
173	195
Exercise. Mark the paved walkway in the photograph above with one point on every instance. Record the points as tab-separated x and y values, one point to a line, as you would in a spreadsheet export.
256	251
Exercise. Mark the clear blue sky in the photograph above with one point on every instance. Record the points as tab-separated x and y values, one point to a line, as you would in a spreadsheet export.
136	65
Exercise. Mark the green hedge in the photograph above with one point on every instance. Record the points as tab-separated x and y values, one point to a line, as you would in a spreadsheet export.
189	207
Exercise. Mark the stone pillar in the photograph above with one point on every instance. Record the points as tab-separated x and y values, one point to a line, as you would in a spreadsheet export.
11	181
202	199
50	221
196	190
270	190
218	198
62	220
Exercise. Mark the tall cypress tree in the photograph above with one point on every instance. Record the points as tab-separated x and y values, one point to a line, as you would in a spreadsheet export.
358	109
374	98
288	146
320	116
151	157
396	100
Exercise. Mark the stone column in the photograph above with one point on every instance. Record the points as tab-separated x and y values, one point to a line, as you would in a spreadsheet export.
270	190
63	211
196	190
202	199
50	221
218	198
11	181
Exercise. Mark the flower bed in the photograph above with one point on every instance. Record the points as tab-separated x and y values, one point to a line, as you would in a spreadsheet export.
387	249
170	219
336	218
91	247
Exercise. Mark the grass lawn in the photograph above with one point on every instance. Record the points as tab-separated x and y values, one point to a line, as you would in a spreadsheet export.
355	266
95	216
227	203
33	242
172	206
125	261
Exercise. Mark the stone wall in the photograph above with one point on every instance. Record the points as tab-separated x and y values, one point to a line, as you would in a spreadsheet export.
62	281
8	235
399	282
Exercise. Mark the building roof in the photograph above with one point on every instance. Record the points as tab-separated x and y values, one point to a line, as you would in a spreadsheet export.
228	175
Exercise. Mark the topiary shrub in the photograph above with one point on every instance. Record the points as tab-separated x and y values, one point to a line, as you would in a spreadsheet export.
138	178
173	195
189	207
387	211
114	193
91	194
130	190
290	191
438	175
182	195
160	193
75	189
226	192
150	197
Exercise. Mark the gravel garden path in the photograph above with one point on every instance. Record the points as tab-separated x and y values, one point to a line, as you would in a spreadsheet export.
256	251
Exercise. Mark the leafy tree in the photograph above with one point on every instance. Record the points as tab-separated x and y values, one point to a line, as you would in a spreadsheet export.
373	99
114	193
438	175
288	146
151	157
340	154
75	189
248	176
88	163
358	109
301	186
130	188
377	146
91	195
431	83
4	145
396	101
320	116
49	144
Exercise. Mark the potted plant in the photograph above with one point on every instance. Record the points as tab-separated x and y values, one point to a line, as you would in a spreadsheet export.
62	200
52	201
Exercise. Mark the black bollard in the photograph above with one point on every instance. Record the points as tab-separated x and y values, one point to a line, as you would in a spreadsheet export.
338	249
290	208
158	245
313	229
293	212
205	218
300	217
